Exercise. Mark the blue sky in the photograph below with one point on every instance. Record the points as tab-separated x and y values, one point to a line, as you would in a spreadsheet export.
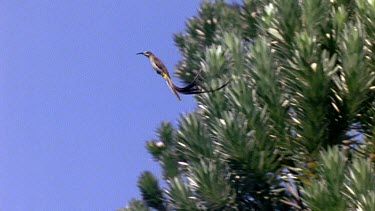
77	104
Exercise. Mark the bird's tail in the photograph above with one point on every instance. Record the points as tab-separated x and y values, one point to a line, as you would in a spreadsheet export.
197	90
193	87
190	87
172	87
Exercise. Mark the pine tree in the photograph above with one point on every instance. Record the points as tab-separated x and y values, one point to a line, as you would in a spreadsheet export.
294	129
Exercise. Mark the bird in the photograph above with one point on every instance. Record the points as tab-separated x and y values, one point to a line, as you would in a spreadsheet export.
160	69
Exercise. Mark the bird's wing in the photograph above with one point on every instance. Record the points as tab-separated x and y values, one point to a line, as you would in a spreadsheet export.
159	64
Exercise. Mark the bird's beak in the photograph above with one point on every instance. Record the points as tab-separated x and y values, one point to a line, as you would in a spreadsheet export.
140	53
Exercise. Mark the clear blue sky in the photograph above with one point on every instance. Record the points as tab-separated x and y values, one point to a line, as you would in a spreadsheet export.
77	104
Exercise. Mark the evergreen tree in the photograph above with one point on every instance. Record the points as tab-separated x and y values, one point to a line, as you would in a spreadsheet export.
295	128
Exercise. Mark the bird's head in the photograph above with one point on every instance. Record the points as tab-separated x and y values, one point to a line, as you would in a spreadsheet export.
146	53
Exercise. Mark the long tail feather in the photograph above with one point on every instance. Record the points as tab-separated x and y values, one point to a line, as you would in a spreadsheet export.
190	89
200	91
190	86
172	87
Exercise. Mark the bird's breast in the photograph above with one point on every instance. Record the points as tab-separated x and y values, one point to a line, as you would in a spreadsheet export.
153	64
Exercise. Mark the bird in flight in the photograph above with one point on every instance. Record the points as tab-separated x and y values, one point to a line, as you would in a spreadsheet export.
160	69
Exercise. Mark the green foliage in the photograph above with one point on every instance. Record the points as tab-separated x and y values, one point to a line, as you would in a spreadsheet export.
135	205
341	185
150	190
360	185
209	181
203	30
181	197
193	141
302	85
325	193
